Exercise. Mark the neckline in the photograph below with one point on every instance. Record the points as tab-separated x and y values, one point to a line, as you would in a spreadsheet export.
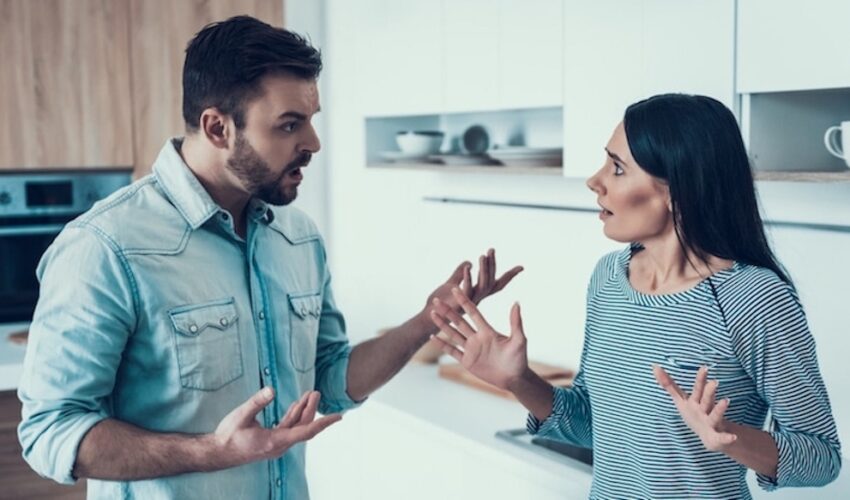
700	291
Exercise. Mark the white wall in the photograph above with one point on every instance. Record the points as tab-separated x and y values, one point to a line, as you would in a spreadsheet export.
390	249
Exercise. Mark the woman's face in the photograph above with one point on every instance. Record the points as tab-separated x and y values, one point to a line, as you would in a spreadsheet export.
635	205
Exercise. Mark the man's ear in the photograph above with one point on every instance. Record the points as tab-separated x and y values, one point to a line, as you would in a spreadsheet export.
216	127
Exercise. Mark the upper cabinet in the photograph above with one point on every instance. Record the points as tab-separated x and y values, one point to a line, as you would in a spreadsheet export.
792	45
98	83
617	52
159	32
65	84
424	57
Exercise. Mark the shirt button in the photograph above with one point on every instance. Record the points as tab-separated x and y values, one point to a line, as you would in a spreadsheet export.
223	321
224	217
303	311
266	371
262	315
193	328
279	482
316	311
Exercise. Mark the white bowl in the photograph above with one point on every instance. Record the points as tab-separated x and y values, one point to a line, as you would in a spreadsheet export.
424	142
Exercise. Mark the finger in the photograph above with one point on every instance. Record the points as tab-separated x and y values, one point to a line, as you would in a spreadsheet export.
293	413
467	279
285	438
457	274
506	278
469	307
716	415
448	329
483	279
247	411
666	382
726	438
310	409
491	271
517	333
454	319
448	348
699	384
707	403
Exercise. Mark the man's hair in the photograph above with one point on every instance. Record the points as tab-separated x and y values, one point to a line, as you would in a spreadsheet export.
225	62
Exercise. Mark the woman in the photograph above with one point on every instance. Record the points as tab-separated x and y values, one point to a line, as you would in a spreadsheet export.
693	332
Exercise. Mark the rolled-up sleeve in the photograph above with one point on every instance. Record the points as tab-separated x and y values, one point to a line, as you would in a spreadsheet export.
84	316
332	354
777	350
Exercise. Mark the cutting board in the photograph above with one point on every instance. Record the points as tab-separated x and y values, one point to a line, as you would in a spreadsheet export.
555	375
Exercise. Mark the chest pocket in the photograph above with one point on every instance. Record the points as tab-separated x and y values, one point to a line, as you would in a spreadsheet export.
304	313
209	353
723	367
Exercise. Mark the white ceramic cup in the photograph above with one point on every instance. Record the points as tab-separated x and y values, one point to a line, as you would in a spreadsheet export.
836	147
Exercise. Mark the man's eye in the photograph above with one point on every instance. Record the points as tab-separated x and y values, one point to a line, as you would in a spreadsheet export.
289	126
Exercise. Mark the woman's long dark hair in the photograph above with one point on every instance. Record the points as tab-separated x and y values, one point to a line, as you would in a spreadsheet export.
694	145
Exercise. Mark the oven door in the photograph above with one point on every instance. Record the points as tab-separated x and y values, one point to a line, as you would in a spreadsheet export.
23	241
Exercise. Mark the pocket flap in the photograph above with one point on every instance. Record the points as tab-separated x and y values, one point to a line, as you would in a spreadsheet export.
305	306
191	320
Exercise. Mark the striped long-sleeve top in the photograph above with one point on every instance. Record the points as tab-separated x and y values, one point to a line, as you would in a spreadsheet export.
749	330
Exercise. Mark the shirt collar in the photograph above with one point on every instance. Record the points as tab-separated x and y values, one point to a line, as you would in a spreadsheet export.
181	186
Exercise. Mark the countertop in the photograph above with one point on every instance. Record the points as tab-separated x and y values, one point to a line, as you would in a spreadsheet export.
11	357
474	417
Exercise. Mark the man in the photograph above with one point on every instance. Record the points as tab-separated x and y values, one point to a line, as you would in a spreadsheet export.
182	316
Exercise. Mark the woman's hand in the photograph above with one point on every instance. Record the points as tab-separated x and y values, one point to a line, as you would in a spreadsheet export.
699	410
461	278
494	358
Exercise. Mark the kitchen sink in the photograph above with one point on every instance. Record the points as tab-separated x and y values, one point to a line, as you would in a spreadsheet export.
556	450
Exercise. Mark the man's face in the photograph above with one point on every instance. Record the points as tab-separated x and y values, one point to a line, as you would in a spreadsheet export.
278	139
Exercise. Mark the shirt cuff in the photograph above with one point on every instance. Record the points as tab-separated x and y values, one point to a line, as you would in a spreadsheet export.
54	454
534	426
334	389
783	467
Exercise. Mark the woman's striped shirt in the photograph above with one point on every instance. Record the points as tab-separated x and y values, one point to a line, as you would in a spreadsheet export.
749	330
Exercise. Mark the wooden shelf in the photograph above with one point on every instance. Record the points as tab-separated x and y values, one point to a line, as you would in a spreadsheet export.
802	176
471	169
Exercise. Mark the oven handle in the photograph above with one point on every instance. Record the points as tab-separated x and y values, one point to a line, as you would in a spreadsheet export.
32	229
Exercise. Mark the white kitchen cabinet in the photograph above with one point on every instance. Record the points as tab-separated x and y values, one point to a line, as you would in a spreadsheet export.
617	52
532	47
792	45
505	54
471	55
400	55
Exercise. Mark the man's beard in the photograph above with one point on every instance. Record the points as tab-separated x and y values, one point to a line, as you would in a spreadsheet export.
256	175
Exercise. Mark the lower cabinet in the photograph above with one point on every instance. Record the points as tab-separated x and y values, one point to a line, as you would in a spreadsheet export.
17	480
379	453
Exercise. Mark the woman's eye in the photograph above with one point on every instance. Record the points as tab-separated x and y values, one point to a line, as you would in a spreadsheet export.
618	170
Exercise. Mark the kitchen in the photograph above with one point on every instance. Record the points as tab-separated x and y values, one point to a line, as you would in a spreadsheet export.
418	65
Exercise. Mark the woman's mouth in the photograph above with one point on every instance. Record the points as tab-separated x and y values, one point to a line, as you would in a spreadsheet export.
604	213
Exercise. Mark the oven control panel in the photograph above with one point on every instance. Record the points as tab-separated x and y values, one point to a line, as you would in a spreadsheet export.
52	193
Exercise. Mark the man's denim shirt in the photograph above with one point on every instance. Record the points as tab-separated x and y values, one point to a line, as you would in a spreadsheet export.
154	312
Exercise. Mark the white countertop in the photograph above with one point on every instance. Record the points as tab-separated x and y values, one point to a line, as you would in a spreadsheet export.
474	417
11	357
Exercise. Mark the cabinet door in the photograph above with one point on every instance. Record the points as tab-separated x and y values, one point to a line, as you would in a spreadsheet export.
471	55
400	55
690	47
603	71
617	52
531	58
64	84
792	45
160	30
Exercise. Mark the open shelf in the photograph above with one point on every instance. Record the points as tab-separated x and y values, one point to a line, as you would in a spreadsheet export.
471	169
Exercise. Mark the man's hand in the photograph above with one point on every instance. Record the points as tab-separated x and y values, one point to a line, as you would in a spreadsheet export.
462	278
240	439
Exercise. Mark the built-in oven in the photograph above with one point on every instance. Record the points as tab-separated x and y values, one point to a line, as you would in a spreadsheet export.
34	207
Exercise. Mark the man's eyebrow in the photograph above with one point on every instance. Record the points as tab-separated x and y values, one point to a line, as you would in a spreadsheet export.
292	114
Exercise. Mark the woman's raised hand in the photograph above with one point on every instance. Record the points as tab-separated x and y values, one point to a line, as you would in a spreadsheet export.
494	358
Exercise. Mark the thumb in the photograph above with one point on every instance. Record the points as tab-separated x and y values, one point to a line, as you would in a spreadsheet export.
516	323
247	411
457	275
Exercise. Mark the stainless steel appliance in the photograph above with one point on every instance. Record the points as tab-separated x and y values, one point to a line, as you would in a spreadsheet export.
34	207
